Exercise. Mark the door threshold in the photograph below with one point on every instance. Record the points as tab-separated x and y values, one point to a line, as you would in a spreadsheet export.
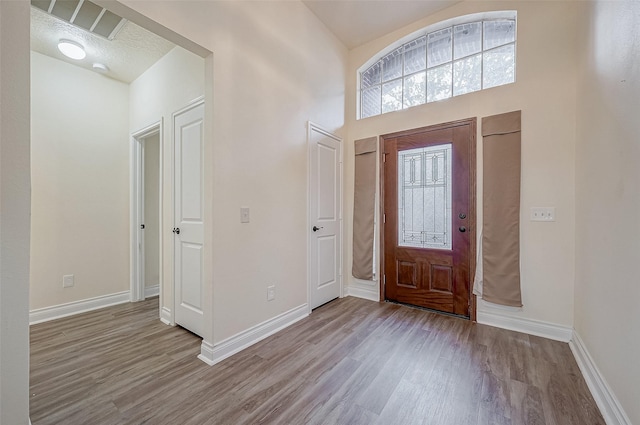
323	304
417	307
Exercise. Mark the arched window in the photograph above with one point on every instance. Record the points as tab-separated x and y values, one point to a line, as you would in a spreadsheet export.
451	58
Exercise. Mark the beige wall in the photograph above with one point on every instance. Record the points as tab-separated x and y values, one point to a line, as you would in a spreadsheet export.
545	92
14	213
168	86
80	183
291	43
152	210
608	196
275	66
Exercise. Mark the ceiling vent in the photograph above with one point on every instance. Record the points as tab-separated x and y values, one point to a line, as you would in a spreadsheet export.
83	14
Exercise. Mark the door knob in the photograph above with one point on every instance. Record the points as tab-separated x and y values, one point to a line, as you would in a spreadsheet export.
315	228
462	229
176	230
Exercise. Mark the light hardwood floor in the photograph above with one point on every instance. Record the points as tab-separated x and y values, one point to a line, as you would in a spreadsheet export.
351	362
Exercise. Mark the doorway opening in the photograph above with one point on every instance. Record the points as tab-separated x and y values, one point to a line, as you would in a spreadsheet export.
428	207
146	212
96	263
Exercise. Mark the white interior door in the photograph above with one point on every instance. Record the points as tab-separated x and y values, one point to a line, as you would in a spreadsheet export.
325	216
188	126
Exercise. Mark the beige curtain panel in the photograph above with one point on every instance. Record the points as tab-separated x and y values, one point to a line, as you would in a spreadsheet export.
501	209
364	207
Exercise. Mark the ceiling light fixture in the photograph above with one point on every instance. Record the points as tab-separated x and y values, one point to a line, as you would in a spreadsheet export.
100	67
71	49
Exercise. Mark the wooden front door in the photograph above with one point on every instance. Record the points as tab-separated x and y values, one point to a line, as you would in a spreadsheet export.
428	201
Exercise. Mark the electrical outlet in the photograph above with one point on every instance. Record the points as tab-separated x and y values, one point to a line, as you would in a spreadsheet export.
271	293
67	281
543	214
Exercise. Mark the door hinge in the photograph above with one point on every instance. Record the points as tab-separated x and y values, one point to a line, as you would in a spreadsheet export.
384	218
384	157
384	279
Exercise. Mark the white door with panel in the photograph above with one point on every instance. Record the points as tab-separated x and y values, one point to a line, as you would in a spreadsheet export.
188	127
325	216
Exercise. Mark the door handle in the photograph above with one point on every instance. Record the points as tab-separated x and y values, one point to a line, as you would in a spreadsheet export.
176	230
462	229
142	226
315	228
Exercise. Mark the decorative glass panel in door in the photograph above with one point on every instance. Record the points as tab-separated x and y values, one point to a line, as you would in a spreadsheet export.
424	197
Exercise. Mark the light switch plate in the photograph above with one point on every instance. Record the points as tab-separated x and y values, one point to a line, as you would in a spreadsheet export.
271	293
244	214
543	214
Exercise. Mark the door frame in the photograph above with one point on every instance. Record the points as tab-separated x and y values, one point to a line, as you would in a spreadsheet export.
311	126
136	208
472	199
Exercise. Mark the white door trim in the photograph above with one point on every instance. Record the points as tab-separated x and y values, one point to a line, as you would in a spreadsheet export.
311	127
136	173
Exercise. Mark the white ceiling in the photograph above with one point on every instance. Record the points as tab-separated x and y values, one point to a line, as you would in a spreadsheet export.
128	55
135	49
356	22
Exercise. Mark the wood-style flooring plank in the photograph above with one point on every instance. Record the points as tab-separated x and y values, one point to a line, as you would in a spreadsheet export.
351	361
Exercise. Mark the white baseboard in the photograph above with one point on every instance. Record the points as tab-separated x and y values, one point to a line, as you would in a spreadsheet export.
76	307
212	354
528	326
207	353
165	316
151	291
606	400
367	292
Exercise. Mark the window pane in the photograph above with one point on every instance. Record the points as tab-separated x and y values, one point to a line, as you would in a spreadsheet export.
371	76
415	56
370	105
497	33
415	89
447	62
467	39
392	96
438	47
424	197
499	66
467	75
392	65
439	83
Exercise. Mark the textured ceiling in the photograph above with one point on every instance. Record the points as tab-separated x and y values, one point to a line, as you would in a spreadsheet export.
135	49
128	55
356	22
